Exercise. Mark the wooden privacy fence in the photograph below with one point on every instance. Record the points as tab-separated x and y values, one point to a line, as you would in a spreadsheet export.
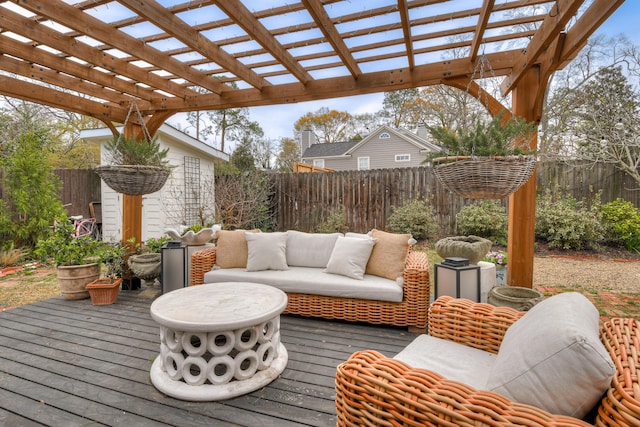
80	187
304	200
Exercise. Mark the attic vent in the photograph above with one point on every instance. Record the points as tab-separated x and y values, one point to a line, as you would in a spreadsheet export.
384	135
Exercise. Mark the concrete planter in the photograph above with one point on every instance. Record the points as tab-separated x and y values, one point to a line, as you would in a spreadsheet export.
473	248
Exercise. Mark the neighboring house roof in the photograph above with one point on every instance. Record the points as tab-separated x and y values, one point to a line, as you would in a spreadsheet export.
339	149
334	149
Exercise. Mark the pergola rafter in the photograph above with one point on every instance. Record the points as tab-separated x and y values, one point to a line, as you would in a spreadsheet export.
96	57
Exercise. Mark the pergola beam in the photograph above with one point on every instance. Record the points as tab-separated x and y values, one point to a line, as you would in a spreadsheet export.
340	86
72	17
33	55
156	14
254	28
403	9
585	26
324	23
45	36
56	99
483	19
553	24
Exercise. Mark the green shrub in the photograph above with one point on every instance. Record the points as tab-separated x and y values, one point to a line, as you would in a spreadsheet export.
333	223
622	223
415	217
486	218
566	223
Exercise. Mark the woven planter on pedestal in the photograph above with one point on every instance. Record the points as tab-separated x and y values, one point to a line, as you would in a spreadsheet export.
484	177
133	180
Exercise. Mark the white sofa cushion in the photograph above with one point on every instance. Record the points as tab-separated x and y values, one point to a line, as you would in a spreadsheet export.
313	281
553	358
349	257
309	249
266	251
451	360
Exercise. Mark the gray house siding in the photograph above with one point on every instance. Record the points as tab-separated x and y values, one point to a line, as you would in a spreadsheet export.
382	153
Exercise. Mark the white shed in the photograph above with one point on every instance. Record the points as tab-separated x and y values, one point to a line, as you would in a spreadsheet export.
188	193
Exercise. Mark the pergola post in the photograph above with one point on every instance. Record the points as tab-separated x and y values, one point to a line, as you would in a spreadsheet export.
131	205
522	203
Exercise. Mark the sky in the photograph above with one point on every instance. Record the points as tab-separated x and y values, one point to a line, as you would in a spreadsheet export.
277	120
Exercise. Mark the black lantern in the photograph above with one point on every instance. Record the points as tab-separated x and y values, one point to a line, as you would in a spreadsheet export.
174	261
457	278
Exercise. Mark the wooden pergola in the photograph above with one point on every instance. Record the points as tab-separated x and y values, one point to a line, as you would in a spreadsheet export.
95	57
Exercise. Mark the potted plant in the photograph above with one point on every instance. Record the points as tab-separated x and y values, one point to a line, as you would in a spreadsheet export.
146	264
77	259
490	161
105	290
136	167
499	258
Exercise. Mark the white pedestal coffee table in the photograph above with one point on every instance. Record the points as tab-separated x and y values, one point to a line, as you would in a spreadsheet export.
218	340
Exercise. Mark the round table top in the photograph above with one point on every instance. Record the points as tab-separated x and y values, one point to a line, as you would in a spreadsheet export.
218	306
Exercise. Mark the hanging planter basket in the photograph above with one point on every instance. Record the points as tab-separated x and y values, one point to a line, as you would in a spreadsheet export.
484	177
133	180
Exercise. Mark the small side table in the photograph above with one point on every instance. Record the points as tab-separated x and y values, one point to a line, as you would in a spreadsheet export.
219	340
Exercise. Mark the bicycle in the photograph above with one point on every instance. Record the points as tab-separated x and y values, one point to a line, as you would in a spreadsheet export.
83	227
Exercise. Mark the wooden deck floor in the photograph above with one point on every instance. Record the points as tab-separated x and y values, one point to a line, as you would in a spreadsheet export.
69	363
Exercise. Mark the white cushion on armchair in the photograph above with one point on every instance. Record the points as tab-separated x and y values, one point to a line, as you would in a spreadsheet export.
553	358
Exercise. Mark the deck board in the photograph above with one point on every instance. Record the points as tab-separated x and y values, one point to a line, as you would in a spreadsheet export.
71	363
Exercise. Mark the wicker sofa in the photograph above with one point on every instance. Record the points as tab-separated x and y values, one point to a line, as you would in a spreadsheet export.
411	311
372	389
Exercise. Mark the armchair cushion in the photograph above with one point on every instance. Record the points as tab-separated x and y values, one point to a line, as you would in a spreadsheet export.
553	358
450	359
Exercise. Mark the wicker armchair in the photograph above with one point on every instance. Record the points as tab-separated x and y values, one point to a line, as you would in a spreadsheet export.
412	312
372	389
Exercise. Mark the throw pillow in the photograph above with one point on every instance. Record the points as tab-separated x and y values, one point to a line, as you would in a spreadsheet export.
309	249
266	251
231	248
389	255
349	257
553	358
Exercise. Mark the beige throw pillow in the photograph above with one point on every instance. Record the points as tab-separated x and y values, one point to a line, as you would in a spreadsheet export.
231	248
389	255
267	251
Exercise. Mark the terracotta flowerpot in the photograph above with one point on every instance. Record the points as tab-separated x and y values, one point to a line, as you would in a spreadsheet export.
73	279
104	291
